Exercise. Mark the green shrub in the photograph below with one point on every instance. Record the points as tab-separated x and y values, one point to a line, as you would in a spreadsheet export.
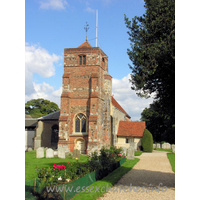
147	141
60	174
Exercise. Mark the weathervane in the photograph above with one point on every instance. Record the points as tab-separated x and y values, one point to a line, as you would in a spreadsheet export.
86	29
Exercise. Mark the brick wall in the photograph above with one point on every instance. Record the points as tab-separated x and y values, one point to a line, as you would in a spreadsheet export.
86	89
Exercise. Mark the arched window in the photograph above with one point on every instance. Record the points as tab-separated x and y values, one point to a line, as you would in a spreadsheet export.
80	123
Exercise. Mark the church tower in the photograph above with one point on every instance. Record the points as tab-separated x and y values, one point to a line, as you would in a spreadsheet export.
85	121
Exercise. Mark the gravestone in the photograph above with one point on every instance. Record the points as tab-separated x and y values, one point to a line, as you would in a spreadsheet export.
173	148
158	146
166	146
55	153
67	151
61	152
30	149
169	146
40	152
154	146
124	151
76	153
49	153
130	154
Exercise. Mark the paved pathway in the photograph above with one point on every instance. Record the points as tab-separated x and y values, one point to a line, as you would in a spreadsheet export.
151	178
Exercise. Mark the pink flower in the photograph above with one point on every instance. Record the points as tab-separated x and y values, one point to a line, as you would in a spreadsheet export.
60	179
54	166
62	167
58	166
119	154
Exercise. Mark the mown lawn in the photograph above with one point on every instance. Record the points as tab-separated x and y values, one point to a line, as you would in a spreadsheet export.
171	157
31	162
160	149
138	153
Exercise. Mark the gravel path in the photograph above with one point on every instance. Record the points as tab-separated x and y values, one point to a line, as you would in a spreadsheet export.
151	178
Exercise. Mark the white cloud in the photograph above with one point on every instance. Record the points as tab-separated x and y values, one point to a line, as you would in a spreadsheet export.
57	93
89	10
127	98
45	91
53	4
38	60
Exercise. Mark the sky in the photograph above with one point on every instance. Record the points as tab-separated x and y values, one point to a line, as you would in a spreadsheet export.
52	25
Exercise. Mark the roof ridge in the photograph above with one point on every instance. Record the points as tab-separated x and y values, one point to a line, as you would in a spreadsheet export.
114	101
48	114
85	44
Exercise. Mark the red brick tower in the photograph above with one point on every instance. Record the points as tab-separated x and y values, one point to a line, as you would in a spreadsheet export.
85	121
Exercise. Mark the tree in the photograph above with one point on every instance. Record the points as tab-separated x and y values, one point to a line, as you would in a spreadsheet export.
158	124
40	107
152	53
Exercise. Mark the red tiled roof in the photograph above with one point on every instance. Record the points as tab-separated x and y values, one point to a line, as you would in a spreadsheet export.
131	129
116	104
85	44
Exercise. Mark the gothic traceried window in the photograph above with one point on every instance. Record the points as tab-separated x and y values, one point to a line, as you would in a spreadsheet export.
80	123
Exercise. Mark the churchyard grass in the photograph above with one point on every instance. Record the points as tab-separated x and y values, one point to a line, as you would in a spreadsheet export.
138	153
31	162
159	149
171	157
107	181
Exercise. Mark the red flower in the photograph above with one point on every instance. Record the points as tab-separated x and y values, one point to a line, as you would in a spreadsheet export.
58	166
68	162
54	166
71	165
62	167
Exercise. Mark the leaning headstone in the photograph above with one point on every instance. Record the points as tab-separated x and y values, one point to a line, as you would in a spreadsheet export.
30	149
49	153
158	146
61	152
76	153
130	154
40	152
154	146
173	148
124	151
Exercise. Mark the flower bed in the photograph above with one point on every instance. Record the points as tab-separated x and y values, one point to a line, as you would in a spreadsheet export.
98	165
